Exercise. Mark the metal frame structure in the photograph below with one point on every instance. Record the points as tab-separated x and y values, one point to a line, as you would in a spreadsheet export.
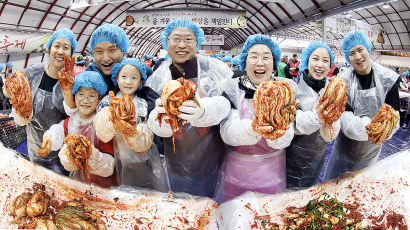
263	17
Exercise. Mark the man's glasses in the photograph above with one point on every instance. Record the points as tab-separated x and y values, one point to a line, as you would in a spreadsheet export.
175	41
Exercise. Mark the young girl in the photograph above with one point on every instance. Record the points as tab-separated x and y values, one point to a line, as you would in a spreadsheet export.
88	89
137	159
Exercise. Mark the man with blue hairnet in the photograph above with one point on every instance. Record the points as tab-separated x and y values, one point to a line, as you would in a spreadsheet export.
109	43
194	166
369	86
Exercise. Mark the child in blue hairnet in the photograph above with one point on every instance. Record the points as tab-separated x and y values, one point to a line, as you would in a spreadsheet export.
137	159
306	154
88	89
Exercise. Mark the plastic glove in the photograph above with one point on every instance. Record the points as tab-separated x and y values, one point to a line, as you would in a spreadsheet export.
237	132
67	164
307	122
141	142
101	164
104	127
330	132
165	129
215	108
45	147
159	107
354	127
191	111
283	141
56	135
69	111
19	119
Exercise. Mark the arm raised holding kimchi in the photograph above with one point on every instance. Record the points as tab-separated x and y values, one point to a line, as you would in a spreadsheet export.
18	89
81	152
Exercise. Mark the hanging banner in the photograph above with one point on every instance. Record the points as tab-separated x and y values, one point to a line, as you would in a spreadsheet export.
18	42
75	4
204	18
341	25
214	40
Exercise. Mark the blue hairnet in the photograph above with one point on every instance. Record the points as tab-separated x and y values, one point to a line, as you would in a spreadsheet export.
227	59
9	64
63	33
306	52
150	57
79	62
352	39
235	60
128	61
182	22
213	55
90	79
110	33
259	39
145	56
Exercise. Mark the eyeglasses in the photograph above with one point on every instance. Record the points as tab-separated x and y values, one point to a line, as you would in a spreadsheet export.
175	41
253	59
91	97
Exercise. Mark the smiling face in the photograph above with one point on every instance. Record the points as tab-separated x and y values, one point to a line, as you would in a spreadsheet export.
58	49
106	54
129	79
360	59
86	100
259	64
319	63
181	45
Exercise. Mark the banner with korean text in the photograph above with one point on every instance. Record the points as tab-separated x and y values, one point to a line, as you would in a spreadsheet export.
341	25
204	18
18	42
76	4
214	40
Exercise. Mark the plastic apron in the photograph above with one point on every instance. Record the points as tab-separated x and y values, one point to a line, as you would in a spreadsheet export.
195	166
133	170
45	114
76	125
306	154
257	168
348	154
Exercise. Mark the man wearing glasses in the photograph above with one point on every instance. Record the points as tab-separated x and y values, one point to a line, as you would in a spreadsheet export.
194	166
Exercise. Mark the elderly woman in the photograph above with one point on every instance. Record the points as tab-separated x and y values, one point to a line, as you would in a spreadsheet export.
195	158
306	154
252	163
48	96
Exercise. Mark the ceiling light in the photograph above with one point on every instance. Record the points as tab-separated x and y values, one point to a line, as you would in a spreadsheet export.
386	5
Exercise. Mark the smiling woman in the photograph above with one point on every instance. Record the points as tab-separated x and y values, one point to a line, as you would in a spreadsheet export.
48	96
